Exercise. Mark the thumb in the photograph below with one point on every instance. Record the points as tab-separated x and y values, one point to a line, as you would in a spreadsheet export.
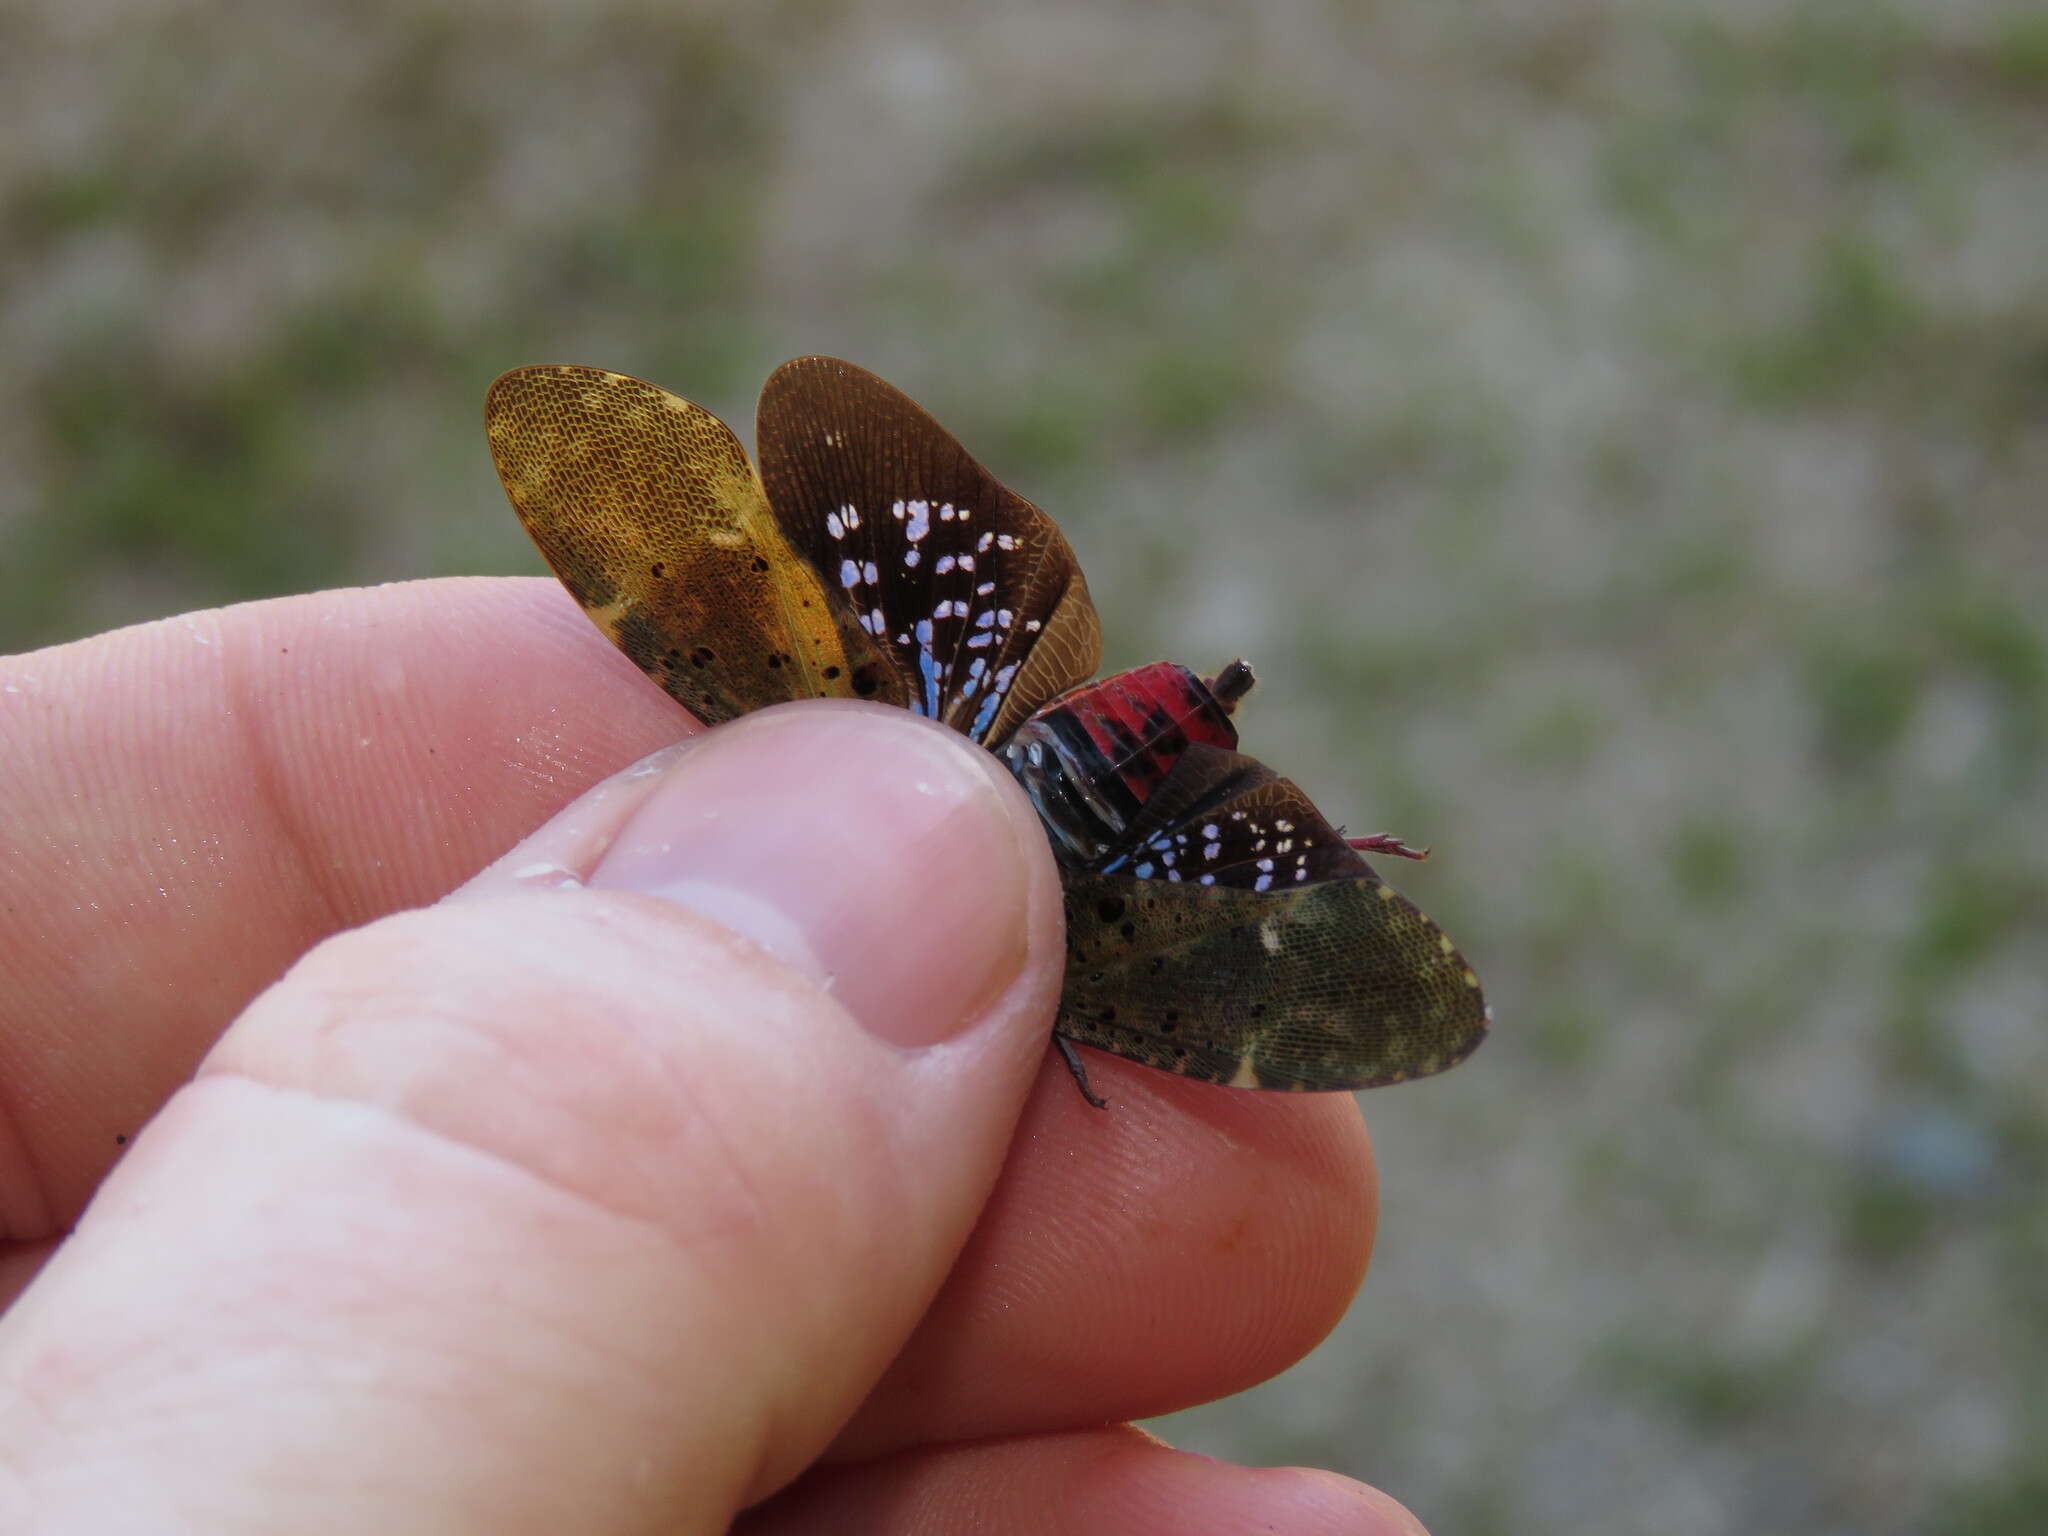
597	1195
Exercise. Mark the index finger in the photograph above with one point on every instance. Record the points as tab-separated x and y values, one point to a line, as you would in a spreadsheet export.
194	803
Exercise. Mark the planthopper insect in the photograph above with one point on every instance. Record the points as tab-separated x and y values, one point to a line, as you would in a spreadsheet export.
1217	925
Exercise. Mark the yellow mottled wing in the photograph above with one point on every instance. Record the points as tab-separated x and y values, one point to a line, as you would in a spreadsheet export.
649	512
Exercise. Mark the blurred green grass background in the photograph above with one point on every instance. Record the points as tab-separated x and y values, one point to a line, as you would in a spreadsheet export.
1617	432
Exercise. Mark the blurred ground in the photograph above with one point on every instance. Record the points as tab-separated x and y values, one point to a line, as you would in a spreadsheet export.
1618	432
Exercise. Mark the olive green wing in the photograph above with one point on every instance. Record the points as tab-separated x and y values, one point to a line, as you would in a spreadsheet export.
1336	985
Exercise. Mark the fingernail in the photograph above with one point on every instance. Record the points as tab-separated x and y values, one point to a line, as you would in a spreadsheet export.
864	846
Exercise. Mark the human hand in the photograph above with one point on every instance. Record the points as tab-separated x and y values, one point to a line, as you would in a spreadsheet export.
556	1204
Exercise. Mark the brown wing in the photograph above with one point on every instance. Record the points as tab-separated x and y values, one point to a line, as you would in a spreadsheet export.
649	512
972	593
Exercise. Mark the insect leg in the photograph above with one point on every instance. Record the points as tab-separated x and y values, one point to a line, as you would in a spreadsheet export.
1080	1072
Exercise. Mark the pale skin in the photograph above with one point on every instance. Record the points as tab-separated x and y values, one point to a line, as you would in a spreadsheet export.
554	1188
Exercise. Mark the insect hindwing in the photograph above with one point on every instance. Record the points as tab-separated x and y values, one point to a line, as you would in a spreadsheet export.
972	593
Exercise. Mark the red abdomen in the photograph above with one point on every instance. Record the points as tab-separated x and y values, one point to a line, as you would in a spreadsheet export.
1090	758
1140	721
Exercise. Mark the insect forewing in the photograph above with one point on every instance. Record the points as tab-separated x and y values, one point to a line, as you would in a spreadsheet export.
649	512
1243	941
1338	985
